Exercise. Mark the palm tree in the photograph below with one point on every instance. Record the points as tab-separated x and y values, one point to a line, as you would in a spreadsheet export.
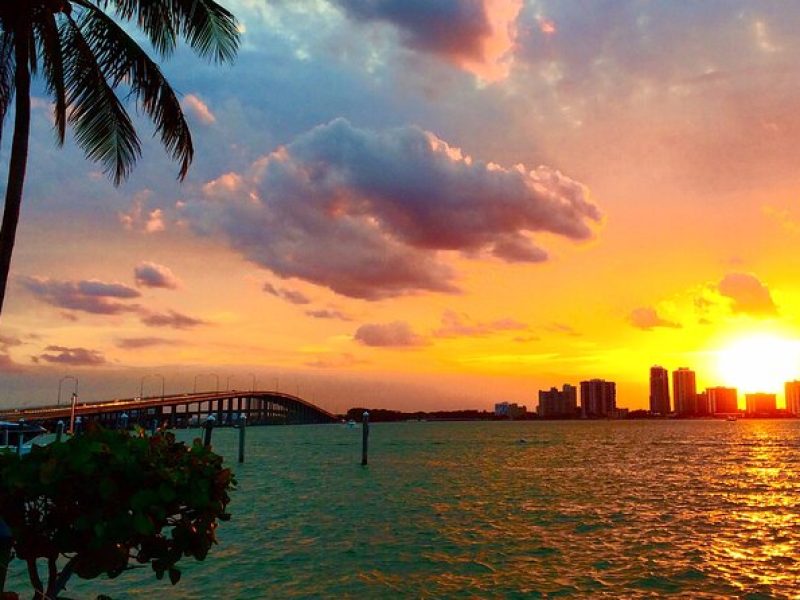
84	56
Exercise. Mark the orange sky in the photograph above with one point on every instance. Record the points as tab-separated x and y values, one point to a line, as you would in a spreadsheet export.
383	215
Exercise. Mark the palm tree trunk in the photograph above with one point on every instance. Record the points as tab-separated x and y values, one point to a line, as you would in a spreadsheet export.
18	162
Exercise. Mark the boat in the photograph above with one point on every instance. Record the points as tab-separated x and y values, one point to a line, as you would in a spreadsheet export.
351	424
730	418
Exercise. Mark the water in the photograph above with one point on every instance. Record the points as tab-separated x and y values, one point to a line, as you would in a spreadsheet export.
693	509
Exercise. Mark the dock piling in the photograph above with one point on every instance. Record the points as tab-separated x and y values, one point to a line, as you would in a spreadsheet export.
20	436
208	427
59	430
365	438
242	427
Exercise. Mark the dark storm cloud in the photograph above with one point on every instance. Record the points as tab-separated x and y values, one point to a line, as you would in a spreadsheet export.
367	213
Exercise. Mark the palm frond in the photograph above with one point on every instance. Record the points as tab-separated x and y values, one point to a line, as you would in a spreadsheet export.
123	60
102	126
209	29
53	68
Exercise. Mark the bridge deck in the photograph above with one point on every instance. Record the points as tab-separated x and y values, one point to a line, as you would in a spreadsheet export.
259	406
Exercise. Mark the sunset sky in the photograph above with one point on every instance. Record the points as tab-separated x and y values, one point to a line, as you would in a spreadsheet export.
432	204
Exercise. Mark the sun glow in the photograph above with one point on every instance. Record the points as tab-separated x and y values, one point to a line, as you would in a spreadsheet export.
759	363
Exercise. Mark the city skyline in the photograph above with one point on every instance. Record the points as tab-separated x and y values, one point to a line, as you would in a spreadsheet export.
486	214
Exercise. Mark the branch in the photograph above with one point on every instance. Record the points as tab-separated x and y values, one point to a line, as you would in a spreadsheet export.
52	574
33	575
61	581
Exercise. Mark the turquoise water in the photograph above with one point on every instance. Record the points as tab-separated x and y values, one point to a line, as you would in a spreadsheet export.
693	509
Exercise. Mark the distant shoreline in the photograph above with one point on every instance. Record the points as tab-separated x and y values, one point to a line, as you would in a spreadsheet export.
382	415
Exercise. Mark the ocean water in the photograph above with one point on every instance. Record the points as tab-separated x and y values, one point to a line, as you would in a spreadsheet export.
638	509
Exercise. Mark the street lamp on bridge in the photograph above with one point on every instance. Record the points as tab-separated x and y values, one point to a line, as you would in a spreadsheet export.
141	384
216	389
61	381
253	387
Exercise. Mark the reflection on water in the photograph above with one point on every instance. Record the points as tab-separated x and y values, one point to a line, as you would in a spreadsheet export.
694	509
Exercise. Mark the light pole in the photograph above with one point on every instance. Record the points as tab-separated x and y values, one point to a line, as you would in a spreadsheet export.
72	413
228	382
61	381
216	389
141	384
253	387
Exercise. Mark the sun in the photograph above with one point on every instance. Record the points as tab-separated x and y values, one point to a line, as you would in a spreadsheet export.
759	363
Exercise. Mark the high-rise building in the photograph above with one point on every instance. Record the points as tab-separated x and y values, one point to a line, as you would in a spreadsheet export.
792	390
598	398
703	406
684	391
659	391
722	400
760	404
555	403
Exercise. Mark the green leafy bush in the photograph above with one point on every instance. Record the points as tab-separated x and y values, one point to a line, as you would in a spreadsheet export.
99	501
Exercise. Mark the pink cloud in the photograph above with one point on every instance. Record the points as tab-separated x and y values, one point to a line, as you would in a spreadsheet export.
75	357
89	295
150	274
747	294
647	318
199	109
397	334
369	213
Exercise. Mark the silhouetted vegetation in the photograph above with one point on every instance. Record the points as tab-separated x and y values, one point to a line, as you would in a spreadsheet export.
382	415
99	501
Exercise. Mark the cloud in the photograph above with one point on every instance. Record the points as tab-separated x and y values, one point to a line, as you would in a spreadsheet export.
369	213
138	218
748	294
452	28
397	334
328	313
477	35
455	325
563	328
75	357
291	296
150	274
7	364
172	319
335	361
144	342
647	318
9	341
199	109
89	295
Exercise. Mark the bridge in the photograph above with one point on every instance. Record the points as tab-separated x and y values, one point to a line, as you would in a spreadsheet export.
182	410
